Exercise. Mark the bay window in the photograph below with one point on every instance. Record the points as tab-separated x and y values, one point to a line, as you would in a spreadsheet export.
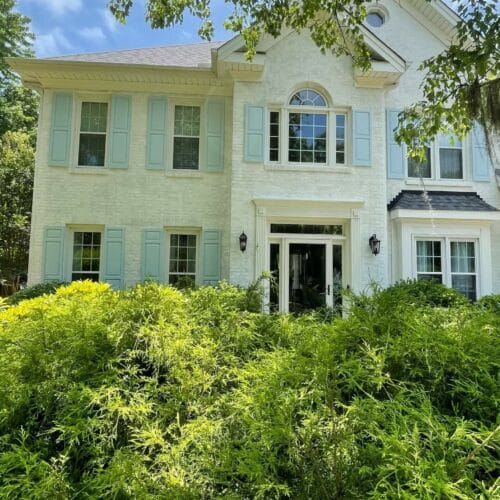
448	261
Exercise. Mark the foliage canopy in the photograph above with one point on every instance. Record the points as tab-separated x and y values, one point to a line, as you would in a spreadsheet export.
18	117
155	393
461	84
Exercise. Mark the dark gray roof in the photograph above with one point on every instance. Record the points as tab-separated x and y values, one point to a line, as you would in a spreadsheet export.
439	200
189	56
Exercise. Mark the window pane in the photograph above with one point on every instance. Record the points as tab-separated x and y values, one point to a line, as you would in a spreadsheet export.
307	138
274	120
307	97
182	259
420	169
92	150
187	121
307	229
465	284
186	153
86	255
450	163
462	257
428	256
94	117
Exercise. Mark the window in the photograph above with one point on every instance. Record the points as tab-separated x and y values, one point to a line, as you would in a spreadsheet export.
375	19
307	131
429	261
302	131
340	138
182	260
274	136
450	157
86	256
443	160
93	126
186	137
450	262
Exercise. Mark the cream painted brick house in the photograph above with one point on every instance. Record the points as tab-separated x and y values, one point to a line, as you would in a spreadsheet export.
151	163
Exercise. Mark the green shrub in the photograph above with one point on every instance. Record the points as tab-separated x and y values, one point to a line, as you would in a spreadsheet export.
34	291
157	393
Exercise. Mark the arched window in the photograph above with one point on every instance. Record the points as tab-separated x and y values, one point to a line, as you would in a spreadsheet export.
307	130
307	97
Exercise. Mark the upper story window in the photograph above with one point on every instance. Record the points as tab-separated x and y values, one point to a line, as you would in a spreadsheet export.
300	133
186	137
375	18
443	160
93	128
307	130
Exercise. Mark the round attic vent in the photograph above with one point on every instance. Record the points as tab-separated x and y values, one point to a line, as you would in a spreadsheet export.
375	18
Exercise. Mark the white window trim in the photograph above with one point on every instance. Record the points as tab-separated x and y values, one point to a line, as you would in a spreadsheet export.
458	227
331	137
436	166
101	98
69	242
184	231
446	259
172	103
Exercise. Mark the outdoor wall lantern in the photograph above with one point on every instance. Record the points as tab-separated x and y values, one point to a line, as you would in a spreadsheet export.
374	243
243	241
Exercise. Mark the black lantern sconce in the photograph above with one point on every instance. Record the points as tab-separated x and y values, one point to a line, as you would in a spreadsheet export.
374	243
243	241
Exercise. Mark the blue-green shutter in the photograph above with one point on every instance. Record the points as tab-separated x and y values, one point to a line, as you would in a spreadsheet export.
119	143
157	128
361	138
211	256
153	255
481	164
254	133
396	161
60	133
53	253
215	136
114	256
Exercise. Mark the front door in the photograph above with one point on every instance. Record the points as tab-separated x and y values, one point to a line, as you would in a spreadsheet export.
307	275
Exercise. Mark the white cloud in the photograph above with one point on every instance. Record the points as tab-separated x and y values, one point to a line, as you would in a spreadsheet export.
109	20
53	43
94	34
59	7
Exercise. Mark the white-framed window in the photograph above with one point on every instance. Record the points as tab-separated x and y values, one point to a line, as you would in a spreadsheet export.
307	131
182	257
444	160
93	132
452	262
307	128
86	255
186	137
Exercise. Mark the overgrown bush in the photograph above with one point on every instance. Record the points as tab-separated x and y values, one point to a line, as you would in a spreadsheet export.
157	393
34	291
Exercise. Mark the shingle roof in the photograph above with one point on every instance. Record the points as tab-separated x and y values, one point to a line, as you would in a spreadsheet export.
439	200
189	56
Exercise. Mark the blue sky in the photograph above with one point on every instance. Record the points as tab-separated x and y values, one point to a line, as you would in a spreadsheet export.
74	26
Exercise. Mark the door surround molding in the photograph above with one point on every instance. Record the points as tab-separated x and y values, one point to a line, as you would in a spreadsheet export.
303	211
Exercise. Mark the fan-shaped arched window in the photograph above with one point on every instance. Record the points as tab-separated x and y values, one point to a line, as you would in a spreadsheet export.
307	97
